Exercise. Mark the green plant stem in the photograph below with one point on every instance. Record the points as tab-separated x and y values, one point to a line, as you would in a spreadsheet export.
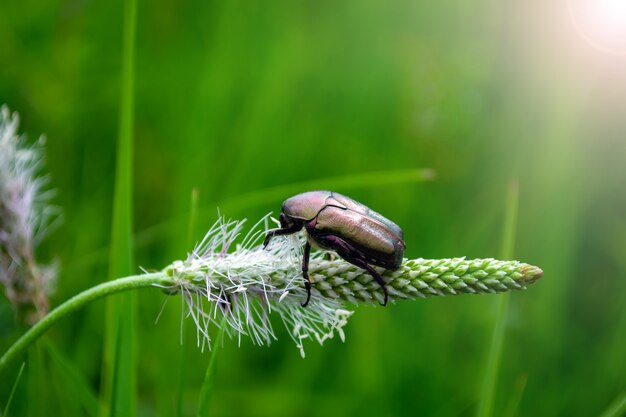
182	364
265	196
119	375
207	385
617	408
77	302
280	192
488	390
17	381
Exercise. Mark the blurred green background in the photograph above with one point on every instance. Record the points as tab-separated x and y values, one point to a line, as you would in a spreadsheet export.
237	97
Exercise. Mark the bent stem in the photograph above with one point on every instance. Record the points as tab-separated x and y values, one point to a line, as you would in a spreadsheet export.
77	302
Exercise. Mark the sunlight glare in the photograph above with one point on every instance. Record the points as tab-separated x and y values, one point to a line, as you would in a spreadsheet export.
601	23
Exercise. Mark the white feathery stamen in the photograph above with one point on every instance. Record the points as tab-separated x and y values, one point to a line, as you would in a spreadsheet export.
237	284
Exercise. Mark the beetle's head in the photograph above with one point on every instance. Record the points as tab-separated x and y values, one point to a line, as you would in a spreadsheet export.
288	222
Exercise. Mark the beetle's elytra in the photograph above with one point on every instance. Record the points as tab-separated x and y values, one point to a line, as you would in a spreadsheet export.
335	222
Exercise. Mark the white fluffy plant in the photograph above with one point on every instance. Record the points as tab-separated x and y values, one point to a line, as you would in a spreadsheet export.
248	284
25	216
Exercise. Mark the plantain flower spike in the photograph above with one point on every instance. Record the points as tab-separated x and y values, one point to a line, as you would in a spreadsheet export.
248	284
25	216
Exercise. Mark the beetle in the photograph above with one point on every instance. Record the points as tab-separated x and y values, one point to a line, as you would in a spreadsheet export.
338	223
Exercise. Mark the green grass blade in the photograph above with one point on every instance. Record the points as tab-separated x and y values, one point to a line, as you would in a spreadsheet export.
266	195
204	401
510	221
40	397
193	217
366	179
119	368
279	193
516	396
74	381
617	408
17	380
488	389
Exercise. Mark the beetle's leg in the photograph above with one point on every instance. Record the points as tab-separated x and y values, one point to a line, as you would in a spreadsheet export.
355	257
377	278
361	263
305	272
226	305
280	232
